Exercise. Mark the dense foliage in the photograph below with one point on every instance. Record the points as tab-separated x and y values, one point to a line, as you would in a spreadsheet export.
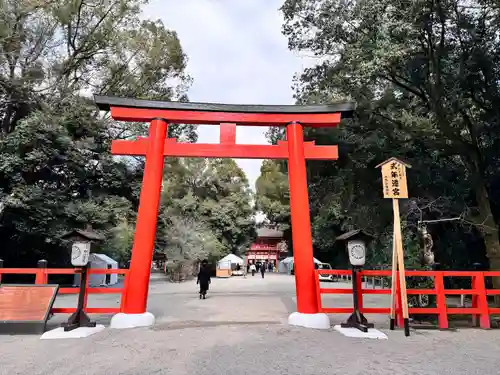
426	79
206	209
56	170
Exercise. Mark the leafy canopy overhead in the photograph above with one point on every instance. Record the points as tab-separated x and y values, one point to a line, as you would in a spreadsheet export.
425	75
56	170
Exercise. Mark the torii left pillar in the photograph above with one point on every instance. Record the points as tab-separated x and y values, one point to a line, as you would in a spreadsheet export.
134	312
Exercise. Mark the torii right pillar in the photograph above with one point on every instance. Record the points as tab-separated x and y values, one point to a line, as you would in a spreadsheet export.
307	314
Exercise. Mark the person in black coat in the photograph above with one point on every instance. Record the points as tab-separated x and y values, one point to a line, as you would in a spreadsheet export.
203	279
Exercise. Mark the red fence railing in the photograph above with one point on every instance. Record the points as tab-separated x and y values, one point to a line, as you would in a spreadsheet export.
480	309
42	277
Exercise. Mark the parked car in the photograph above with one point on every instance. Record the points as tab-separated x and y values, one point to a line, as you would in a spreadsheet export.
325	277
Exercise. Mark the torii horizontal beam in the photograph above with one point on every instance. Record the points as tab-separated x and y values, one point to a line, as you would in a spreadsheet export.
138	110
227	148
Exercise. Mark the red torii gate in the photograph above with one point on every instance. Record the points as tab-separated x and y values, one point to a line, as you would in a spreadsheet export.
156	146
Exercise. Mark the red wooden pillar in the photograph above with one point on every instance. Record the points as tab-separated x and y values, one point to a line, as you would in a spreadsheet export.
481	301
441	300
305	283
147	216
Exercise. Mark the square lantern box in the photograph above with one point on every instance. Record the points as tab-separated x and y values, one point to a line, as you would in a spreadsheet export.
83	241
356	243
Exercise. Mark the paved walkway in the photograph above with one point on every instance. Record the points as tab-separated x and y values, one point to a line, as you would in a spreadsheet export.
240	329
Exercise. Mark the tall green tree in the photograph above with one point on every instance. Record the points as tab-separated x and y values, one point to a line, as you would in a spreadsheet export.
210	199
426	75
272	194
56	171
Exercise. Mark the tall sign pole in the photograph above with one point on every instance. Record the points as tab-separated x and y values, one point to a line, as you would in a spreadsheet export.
395	187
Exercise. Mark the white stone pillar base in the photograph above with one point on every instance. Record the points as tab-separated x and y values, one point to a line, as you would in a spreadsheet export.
315	321
122	320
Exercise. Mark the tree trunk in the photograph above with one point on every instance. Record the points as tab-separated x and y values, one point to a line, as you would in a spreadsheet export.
486	224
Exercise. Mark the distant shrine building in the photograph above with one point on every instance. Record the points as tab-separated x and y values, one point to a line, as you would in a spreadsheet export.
269	246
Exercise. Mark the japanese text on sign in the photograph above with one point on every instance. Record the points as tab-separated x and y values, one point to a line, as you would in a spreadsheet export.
394	180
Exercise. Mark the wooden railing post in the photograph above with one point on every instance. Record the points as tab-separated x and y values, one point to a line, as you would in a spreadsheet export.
41	275
441	300
318	292
124	292
481	301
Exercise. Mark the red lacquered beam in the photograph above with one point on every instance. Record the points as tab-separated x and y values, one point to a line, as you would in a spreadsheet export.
224	150
68	291
95	271
19	271
337	310
492	273
335	291
215	118
334	272
89	310
375	310
91	291
463	310
63	310
102	310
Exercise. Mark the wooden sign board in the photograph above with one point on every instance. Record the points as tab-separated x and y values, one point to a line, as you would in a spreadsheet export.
394	178
25	308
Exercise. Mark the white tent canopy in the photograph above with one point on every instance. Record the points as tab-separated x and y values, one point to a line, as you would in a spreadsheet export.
286	265
100	261
228	261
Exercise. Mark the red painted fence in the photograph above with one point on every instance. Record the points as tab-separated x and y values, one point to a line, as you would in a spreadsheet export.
480	310
42	276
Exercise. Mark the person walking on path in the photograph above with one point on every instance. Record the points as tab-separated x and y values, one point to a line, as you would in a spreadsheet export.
203	279
262	270
253	269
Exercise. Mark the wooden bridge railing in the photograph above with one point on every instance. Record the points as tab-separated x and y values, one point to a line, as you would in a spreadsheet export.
42	277
480	309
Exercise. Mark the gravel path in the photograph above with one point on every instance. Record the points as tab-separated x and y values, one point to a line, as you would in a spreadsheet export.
240	330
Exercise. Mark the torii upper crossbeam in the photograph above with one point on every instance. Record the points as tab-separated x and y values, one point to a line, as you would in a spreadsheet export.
156	146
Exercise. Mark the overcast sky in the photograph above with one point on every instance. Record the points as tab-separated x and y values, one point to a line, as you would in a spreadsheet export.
237	55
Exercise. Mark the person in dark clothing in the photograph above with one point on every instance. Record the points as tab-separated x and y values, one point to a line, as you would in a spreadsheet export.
203	279
262	270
